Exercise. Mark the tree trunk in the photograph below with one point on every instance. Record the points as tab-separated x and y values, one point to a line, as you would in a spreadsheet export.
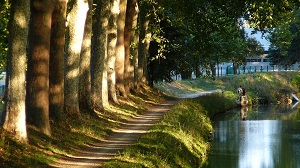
135	42
111	50
197	68
15	120
37	83
144	43
130	13
99	56
85	101
120	50
213	69
57	52
76	22
234	67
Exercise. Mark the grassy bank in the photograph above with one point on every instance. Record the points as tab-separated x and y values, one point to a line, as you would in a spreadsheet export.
182	137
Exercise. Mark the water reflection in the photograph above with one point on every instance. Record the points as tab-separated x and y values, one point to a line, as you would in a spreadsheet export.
266	143
258	153
243	113
255	138
271	112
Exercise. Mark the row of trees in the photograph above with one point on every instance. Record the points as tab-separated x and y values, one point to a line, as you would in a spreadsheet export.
70	57
67	57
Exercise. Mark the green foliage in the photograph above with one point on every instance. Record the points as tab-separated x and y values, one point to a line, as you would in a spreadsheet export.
187	36
296	81
281	38
201	34
268	14
254	47
155	16
4	18
285	43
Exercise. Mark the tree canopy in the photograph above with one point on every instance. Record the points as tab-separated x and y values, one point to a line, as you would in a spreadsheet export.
204	33
285	41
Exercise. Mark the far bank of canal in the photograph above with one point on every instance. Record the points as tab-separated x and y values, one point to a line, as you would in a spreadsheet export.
262	136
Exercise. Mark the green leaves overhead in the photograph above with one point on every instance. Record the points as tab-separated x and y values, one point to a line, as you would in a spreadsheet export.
285	41
4	17
268	14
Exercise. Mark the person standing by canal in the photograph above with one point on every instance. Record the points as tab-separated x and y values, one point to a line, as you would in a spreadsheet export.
244	91
239	92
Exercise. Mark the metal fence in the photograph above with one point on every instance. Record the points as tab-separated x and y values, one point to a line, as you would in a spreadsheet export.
228	70
222	71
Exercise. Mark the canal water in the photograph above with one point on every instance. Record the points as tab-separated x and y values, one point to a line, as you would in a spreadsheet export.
257	137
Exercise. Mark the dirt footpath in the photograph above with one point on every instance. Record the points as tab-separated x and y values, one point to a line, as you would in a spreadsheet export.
94	155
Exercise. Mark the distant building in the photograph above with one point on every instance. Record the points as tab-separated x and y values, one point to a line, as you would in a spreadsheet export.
253	64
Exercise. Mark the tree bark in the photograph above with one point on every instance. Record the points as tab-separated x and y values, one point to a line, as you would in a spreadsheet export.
15	120
144	43
135	42
111	50
37	83
120	50
99	56
212	69
130	13
85	101
76	22
57	52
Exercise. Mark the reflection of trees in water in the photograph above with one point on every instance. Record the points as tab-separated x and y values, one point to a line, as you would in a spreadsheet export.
266	112
272	112
226	141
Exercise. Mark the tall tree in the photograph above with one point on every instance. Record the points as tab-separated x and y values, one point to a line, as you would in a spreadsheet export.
135	44
144	43
120	49
99	55
111	50
57	52
15	120
130	13
37	81
85	101
76	22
